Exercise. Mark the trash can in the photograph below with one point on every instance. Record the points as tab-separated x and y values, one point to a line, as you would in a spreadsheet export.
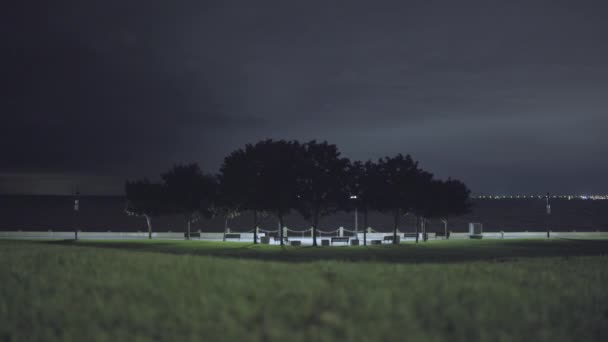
475	230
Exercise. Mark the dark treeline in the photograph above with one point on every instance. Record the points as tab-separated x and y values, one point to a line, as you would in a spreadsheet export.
276	177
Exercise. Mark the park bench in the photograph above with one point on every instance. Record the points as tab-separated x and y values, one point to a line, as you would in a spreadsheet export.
390	239
324	242
340	239
192	235
296	243
233	236
354	242
376	242
278	238
409	235
442	235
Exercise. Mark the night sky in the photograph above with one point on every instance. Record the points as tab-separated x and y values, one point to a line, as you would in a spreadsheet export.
508	96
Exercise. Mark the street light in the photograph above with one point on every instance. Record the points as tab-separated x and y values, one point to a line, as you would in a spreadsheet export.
76	209
354	197
547	218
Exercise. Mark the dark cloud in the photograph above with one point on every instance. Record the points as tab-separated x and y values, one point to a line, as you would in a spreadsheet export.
509	96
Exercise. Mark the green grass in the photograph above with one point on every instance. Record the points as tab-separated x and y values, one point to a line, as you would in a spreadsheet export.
201	291
432	251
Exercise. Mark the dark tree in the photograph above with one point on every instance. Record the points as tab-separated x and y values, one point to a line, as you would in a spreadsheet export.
241	183
402	183
426	205
278	177
442	199
365	182
451	198
322	182
147	200
227	212
191	193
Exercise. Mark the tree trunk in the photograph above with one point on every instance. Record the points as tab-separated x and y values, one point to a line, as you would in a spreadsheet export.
188	231
315	223
445	228
314	235
148	221
547	217
281	229
255	227
365	226
397	213
417	228
425	237
225	227
75	226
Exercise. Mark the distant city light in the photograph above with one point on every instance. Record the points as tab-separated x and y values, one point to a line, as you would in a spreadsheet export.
538	196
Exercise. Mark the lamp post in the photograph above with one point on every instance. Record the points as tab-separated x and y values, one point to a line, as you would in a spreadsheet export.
76	209
354	197
547	218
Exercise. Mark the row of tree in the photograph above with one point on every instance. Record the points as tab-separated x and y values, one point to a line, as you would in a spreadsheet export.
275	177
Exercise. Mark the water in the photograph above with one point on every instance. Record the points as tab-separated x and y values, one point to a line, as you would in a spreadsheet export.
42	213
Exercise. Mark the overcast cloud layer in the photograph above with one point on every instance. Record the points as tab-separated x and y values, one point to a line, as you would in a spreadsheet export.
509	96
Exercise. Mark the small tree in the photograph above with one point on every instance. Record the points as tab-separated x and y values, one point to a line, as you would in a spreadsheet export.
452	198
442	199
425	206
147	200
241	183
228	213
365	182
322	182
402	183
278	177
191	193
225	206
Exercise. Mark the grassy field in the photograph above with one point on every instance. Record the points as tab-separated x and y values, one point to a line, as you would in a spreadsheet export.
530	290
